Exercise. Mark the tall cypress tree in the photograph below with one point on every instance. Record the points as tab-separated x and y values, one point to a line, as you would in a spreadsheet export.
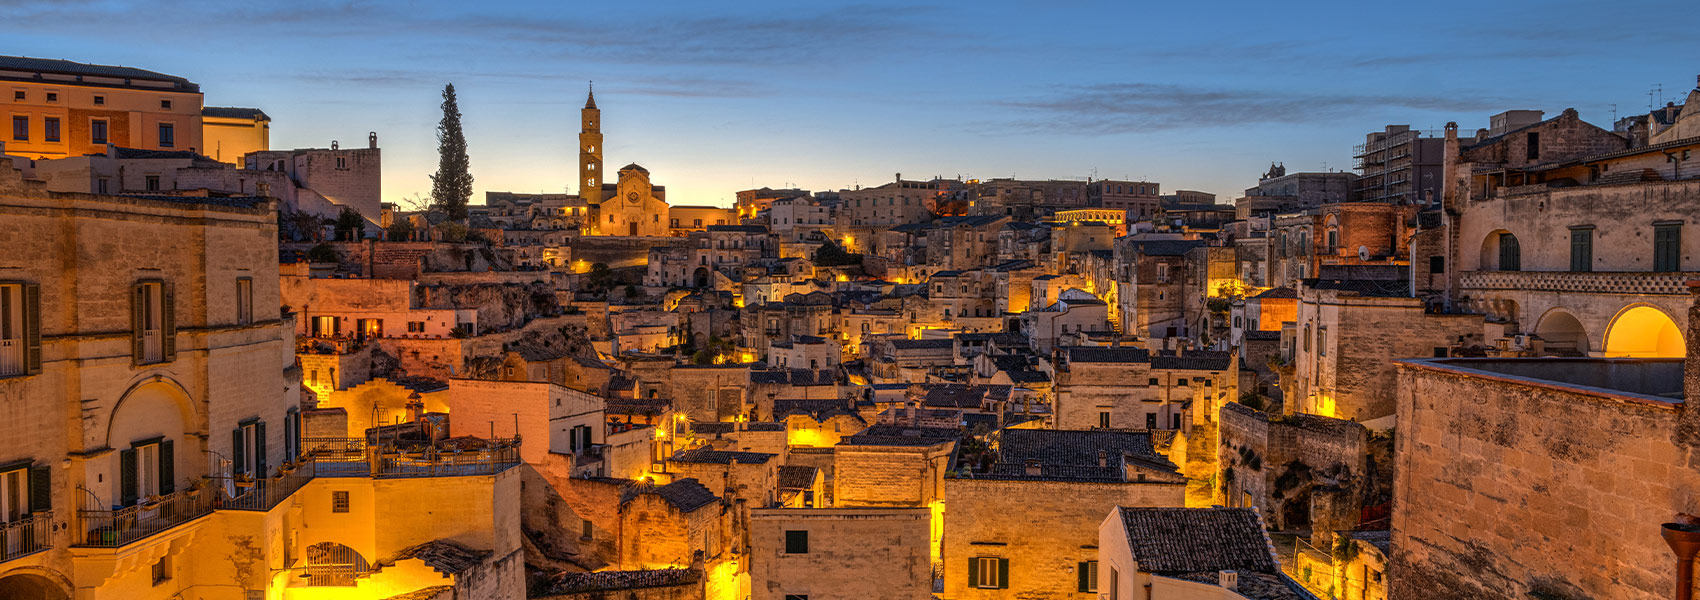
451	187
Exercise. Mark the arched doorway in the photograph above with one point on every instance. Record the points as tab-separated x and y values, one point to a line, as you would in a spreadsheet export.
1563	333
1501	252
1644	331
29	586
333	564
700	277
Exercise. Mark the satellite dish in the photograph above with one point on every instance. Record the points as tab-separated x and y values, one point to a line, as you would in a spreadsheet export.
1363	253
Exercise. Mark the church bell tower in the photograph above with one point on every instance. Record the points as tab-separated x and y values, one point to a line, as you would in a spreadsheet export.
590	152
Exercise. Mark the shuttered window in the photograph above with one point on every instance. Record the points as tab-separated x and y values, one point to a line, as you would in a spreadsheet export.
988	572
20	328
1510	255
1667	247
24	489
1088	575
248	449
146	469
1582	248
153	322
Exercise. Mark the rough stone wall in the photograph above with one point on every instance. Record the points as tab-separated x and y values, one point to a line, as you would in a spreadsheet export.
1346	343
888	476
852	554
1044	528
1282	462
1507	489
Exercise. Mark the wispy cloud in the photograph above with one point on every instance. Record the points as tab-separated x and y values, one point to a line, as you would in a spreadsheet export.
1127	107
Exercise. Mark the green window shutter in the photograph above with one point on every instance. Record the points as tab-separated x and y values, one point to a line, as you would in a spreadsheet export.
236	457
260	469
167	468
127	477
138	302
168	321
973	571
1080	571
1003	573
41	488
32	328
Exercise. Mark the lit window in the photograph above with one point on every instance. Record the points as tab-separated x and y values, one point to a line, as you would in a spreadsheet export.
988	572
339	502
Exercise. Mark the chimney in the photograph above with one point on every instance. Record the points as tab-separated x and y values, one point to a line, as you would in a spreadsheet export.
1103	458
1229	579
334	145
1032	468
111	150
372	140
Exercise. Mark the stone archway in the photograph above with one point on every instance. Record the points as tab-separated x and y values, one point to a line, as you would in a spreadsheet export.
31	586
700	277
1500	252
1644	331
1563	333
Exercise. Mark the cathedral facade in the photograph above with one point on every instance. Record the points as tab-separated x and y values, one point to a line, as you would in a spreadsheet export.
632	206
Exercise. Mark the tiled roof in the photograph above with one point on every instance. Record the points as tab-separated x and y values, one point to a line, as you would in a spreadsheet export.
53	65
1027	376
1280	292
1166	247
444	556
228	112
1073	455
954	395
1190	540
1263	336
428	593
1125	354
819	410
1393	288
685	494
535	352
908	344
795	477
607	581
738	228
421	384
624	406
1252	585
896	435
1193	360
705	455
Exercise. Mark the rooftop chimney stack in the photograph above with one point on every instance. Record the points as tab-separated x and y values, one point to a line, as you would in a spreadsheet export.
1230	580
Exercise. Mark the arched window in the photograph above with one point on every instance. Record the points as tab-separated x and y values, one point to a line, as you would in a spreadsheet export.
1510	256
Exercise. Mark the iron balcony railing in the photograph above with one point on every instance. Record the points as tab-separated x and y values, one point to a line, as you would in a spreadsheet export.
118	527
26	536
264	494
354	457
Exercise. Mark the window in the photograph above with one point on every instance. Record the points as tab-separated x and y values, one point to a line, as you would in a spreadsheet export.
152	183
988	572
796	542
796	597
53	96
1582	248
24	489
97	131
162	570
1088	572
248	447
333	564
1153	381
153	323
50	129
1667	247
21	128
244	301
100	185
341	162
167	135
145	470
1534	146
1103	419
18	95
165	104
1436	265
1306	338
339	502
1115	584
1322	341
588	529
20	329
100	100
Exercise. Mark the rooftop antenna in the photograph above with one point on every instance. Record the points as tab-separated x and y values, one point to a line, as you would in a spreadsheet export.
1614	112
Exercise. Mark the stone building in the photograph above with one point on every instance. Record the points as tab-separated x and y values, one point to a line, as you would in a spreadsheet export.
840	553
1563	236
1153	280
1132	388
1188	553
1138	200
896	203
1348	332
186	470
62	109
1021	522
230	133
1509	488
1398	166
1307	473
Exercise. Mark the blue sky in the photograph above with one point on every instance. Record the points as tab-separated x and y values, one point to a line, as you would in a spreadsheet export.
717	97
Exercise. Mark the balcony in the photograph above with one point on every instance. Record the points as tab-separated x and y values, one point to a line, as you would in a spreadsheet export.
354	457
264	494
120	527
26	536
1615	282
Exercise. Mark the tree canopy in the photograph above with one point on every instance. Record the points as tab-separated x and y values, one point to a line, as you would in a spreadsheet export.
451	186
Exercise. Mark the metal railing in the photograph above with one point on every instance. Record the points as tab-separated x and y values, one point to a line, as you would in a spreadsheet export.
112	528
264	494
11	356
354	457
26	536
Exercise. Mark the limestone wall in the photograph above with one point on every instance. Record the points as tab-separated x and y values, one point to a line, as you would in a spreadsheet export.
853	553
1507	488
